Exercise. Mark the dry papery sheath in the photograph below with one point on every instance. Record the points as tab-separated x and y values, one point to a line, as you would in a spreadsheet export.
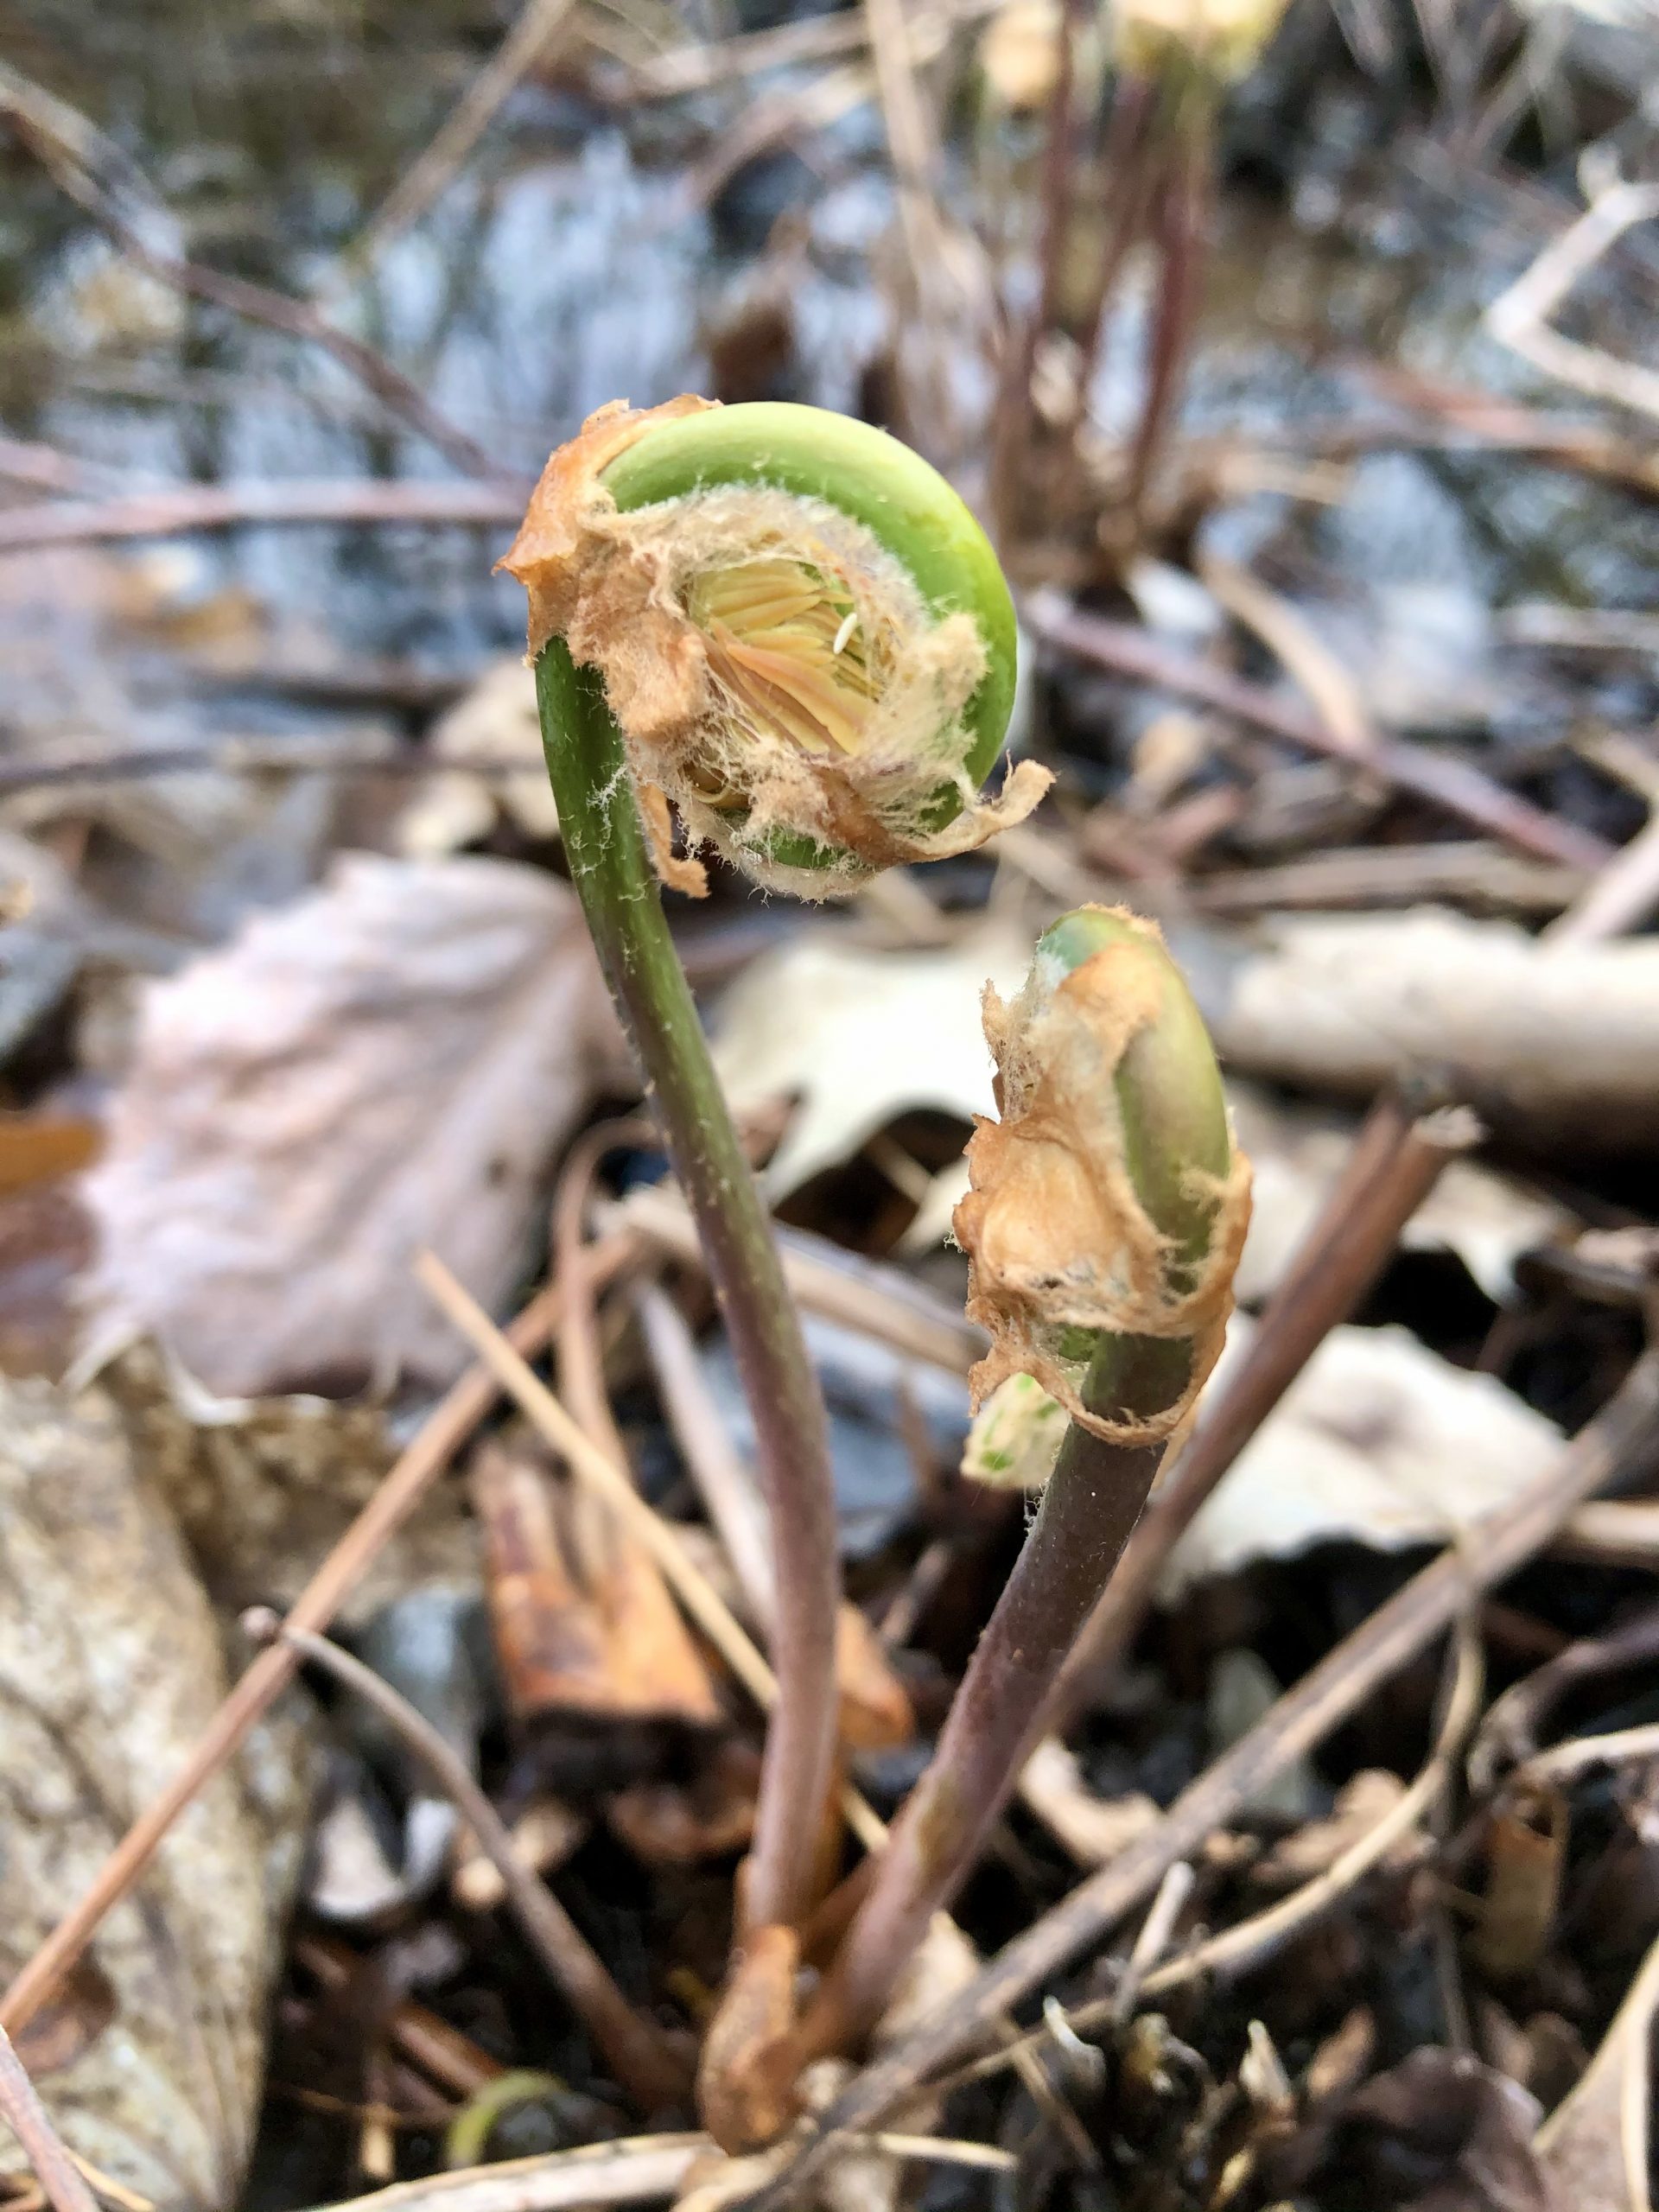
1061	1246
775	669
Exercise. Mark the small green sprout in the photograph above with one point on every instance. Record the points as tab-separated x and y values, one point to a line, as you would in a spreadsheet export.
1107	1209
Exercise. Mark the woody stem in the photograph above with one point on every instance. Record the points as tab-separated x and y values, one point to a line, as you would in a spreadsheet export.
1089	1506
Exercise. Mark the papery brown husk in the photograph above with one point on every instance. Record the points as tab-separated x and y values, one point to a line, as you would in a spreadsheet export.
1055	1232
610	584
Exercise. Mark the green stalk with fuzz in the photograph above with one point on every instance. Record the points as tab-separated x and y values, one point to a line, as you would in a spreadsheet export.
1145	1166
606	848
789	627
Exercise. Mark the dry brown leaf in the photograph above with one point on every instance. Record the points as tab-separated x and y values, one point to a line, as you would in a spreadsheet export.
876	1713
496	721
583	1620
387	1064
667	1824
1378	1441
1298	1151
110	1667
1594	2147
1559	1042
1461	2130
1526	1860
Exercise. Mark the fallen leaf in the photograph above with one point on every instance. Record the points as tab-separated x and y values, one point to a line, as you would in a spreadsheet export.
1378	1441
671	1824
582	1618
876	1713
859	1038
388	1064
1298	1151
110	1666
1594	2147
1439	2132
496	721
856	1039
1526	1859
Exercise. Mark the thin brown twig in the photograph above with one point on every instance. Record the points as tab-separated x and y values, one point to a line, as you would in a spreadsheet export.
1151	1942
175	510
539	26
580	1354
1130	175
825	1279
646	2064
595	1467
28	2121
909	139
1518	317
1237	1950
442	1435
696	1593
514	1375
27	461
1625	893
581	1361
1622	1441
1471	872
1179	218
430	2044
698	65
1291	640
1509	1732
1478	418
1462	790
1011	426
1581	1753
97	176
792	117
727	1487
241	756
634	2170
